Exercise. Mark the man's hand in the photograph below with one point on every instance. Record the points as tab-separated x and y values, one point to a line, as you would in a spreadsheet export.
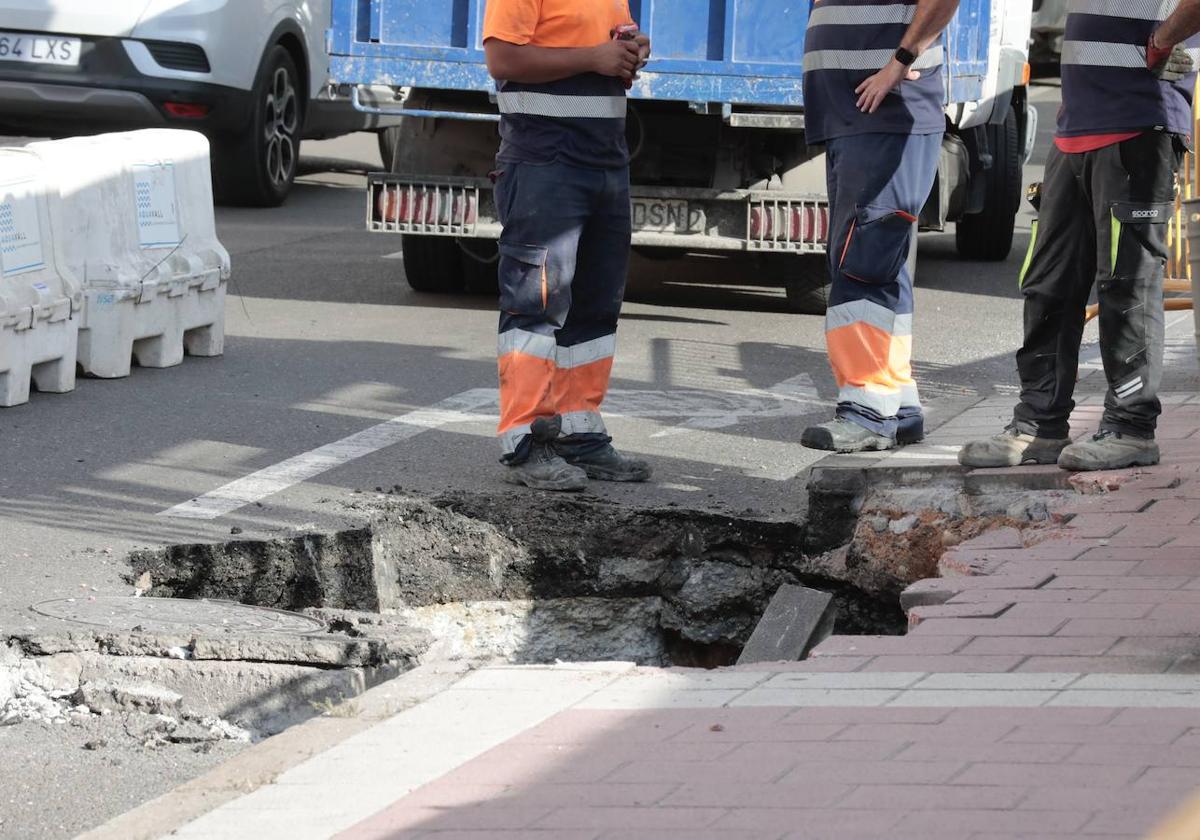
617	58
643	42
1168	63
872	91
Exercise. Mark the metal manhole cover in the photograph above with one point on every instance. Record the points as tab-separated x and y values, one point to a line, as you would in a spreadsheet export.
177	615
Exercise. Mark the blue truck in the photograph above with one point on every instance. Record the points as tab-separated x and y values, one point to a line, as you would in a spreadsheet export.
715	126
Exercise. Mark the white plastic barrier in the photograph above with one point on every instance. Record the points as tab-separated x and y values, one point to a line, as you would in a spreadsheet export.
142	238
39	296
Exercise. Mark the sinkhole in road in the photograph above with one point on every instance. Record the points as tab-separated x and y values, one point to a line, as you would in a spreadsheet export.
530	578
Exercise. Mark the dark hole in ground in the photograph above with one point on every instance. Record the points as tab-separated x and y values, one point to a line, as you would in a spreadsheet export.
701	580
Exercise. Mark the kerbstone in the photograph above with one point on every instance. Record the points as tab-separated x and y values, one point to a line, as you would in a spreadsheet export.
796	620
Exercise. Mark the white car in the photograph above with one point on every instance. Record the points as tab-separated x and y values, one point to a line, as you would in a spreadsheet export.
250	74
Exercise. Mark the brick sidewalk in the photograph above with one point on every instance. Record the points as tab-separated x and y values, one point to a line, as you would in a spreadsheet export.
1050	691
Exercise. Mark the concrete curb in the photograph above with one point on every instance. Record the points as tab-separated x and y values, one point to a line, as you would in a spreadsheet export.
263	763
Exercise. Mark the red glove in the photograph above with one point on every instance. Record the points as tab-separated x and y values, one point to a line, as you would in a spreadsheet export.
1156	56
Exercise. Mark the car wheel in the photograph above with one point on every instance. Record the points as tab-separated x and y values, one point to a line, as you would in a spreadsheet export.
258	167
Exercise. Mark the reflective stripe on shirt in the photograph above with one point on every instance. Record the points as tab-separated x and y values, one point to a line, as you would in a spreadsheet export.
560	106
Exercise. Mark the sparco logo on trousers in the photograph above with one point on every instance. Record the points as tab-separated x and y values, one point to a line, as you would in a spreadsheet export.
1144	214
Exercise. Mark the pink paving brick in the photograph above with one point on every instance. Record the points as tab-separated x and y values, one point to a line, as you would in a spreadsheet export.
519	763
735	767
952	664
591	726
964	823
1131	627
1025	596
816	822
1148	596
824	823
1159	565
1098	799
713	833
748	733
958	627
1037	716
1077	568
1040	646
1088	775
1155	646
1146	755
1129	822
1097	525
983	732
986	752
1096	665
1079	611
882	645
941	798
985	610
1071	734
826	715
875	772
1070	581
809	794
643	819
813	751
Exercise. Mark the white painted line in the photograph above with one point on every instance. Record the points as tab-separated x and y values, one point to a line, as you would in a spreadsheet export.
278	477
706	410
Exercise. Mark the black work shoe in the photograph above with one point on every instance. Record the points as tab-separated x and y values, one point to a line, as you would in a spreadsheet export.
544	470
841	435
1108	450
1011	448
608	464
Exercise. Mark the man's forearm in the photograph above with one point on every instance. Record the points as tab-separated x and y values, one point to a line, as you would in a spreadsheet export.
1183	23
930	19
536	65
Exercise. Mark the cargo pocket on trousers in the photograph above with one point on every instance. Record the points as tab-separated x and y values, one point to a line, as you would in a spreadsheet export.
877	244
1138	249
524	279
1138	237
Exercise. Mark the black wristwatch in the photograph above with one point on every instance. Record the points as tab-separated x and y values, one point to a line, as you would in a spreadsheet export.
905	57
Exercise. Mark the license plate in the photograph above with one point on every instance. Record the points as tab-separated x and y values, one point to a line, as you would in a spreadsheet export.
39	49
660	216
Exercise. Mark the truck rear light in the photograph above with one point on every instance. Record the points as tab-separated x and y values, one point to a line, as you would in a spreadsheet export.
788	225
424	208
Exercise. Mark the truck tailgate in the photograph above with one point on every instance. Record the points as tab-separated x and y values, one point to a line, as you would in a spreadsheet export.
737	51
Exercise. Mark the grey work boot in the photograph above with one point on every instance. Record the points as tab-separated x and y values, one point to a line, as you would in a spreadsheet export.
841	435
1011	448
608	464
544	469
1109	450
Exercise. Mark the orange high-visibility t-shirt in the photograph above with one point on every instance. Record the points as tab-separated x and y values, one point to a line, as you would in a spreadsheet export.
554	23
578	120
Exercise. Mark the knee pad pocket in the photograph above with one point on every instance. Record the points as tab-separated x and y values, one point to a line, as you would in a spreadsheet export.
876	245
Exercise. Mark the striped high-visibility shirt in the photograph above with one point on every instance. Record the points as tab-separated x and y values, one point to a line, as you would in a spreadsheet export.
579	120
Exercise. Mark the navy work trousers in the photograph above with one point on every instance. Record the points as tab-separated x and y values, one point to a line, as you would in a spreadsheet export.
878	184
564	257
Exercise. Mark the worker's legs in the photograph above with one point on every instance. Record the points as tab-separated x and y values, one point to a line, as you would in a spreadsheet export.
544	210
878	184
1056	283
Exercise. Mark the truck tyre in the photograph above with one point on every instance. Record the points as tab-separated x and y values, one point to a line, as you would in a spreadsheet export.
481	264
257	168
432	263
806	281
988	235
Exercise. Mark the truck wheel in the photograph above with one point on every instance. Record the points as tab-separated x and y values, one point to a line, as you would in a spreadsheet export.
481	263
432	263
806	281
257	168
988	235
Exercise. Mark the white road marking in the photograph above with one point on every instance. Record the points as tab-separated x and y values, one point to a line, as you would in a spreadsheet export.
278	477
704	410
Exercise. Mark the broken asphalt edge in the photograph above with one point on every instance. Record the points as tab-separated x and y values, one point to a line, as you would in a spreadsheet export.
262	763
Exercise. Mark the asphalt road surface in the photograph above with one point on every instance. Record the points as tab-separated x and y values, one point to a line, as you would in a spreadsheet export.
714	382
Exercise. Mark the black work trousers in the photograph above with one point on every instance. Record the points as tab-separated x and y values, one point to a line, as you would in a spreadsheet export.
1103	221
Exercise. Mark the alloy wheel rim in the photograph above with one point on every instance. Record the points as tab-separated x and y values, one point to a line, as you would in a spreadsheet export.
280	124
